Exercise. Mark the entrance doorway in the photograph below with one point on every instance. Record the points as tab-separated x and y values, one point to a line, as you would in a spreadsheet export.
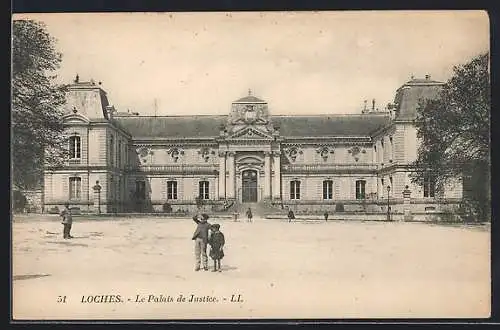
249	186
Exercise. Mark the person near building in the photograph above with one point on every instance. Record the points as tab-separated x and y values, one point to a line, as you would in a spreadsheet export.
291	216
249	215
67	221
200	237
216	242
326	215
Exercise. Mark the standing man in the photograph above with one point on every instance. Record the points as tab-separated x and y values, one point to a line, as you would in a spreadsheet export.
67	221
249	215
200	238
326	215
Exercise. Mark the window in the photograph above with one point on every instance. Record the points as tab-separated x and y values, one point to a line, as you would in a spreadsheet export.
111	187
111	151
75	188
171	189
119	153
328	189
203	193
295	189
360	189
74	147
429	185
140	190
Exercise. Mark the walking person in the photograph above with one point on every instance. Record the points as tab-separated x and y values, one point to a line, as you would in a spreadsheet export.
200	237
291	216
249	215
326	215
67	221
216	242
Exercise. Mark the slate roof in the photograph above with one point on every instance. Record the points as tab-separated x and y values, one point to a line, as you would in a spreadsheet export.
290	126
411	93
423	81
249	99
330	125
172	126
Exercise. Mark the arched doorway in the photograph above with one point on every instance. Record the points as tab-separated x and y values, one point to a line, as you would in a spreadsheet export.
249	186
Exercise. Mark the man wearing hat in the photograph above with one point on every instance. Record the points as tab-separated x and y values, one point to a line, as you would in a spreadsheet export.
67	221
200	237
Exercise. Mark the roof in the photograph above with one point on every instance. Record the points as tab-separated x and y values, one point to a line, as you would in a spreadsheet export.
409	96
249	99
172	126
330	125
290	126
426	81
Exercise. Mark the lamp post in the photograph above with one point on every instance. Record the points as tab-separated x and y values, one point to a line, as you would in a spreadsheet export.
388	207
97	194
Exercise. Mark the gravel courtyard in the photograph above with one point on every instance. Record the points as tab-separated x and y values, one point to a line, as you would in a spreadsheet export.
272	269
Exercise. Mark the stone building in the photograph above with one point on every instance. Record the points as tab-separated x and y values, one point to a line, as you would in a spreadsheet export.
313	163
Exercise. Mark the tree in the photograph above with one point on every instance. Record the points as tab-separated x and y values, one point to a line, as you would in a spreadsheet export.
37	127
454	131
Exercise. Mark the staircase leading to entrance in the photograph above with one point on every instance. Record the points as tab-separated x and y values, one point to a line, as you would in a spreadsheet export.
259	209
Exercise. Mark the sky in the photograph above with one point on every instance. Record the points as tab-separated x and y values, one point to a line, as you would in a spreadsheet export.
299	62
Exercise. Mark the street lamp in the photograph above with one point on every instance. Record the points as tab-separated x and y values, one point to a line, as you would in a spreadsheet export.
388	207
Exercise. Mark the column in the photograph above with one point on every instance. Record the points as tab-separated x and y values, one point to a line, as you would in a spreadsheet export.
277	175
230	182
222	174
267	175
406	204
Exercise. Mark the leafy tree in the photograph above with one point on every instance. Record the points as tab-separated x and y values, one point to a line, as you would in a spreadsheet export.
37	128
454	131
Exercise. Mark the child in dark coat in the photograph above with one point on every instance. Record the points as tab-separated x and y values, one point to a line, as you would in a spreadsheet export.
291	216
216	242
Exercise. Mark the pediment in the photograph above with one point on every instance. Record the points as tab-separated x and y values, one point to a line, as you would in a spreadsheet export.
250	133
75	118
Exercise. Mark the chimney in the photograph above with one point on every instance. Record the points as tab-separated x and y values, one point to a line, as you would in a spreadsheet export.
427	77
373	105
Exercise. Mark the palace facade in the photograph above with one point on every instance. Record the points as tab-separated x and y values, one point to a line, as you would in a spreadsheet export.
171	163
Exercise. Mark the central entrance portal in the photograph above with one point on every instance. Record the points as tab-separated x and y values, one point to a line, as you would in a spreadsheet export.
249	186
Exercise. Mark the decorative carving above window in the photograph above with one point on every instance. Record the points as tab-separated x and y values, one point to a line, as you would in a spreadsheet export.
205	153
324	151
356	151
293	151
249	114
175	153
143	152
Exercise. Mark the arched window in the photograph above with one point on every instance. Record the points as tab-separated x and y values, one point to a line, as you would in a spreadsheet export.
295	189
360	189
328	189
204	190
75	188
75	147
171	189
